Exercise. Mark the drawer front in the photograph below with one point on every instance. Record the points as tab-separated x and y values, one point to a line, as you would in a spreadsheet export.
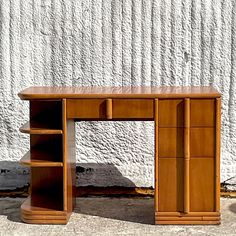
86	108
132	108
202	112
202	142
171	142
170	185
202	184
171	112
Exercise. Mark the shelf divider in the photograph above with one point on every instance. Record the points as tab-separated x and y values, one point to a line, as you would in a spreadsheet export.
26	160
26	128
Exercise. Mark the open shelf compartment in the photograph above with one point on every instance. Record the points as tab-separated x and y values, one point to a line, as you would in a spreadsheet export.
46	148
45	115
46	197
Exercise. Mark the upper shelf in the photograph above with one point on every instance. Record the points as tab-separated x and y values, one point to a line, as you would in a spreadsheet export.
57	92
26	128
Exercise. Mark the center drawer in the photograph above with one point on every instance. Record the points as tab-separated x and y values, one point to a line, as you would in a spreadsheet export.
110	108
132	108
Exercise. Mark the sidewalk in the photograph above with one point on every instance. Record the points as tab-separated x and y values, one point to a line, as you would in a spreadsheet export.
111	216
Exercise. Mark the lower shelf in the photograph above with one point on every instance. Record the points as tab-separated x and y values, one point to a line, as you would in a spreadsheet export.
43	210
34	160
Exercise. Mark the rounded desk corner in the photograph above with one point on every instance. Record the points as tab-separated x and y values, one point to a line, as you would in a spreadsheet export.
20	95
30	216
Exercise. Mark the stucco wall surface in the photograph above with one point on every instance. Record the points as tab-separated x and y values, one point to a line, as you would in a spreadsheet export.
113	42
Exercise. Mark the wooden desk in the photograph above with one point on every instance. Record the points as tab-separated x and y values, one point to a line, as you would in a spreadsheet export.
187	147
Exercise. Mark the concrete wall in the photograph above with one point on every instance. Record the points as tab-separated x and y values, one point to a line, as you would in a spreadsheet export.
113	42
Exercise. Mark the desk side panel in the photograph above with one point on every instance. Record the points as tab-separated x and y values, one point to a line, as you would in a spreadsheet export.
69	161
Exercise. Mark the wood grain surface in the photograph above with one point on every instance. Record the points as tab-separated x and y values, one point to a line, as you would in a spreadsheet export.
57	92
187	147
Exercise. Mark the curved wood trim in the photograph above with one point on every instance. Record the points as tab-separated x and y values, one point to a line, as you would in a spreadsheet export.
44	220
28	209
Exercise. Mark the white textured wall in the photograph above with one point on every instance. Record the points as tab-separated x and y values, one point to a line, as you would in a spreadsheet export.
113	42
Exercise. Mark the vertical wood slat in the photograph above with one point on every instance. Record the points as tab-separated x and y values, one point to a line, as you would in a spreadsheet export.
109	108
69	165
217	155
30	117
64	143
156	154
186	153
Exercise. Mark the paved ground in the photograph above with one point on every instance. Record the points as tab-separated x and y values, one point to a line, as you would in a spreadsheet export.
111	216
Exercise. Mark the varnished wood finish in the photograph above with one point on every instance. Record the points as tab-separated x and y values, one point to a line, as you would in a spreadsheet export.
187	147
46	197
187	218
38	129
109	109
132	108
171	142
189	222
188	133
189	214
170	180
35	160
156	158
33	212
69	161
171	113
35	206
202	112
47	92
45	204
202	142
202	184
217	154
186	153
86	108
47	182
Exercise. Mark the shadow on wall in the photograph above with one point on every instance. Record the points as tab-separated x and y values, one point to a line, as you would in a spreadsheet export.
14	176
100	174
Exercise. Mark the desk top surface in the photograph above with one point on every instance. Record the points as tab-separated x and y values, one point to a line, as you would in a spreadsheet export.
56	92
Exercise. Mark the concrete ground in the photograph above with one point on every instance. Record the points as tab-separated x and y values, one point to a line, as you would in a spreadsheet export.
111	216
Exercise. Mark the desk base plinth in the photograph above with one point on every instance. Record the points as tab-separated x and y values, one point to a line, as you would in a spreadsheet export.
37	215
193	218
